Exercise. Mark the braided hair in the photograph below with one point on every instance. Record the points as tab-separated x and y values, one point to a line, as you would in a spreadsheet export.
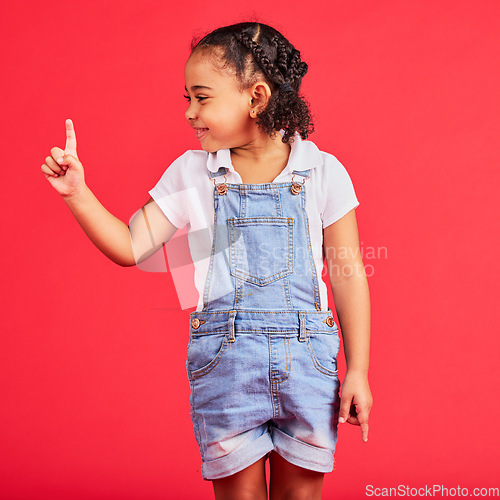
257	51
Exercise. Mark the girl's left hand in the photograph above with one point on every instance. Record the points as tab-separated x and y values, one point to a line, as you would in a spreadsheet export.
356	401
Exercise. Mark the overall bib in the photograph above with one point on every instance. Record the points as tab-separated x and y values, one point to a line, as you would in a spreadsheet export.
262	355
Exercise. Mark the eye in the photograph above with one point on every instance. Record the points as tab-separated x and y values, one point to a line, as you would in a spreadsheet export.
201	98
187	97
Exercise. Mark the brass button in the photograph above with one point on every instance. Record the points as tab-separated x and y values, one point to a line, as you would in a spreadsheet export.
296	188
195	323
221	189
329	321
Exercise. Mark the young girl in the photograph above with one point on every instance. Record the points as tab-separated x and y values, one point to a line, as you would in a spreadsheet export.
262	354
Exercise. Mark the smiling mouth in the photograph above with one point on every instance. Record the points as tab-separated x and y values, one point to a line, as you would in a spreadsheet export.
201	132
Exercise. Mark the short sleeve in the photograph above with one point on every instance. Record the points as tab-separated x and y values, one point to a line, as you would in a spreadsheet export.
338	190
170	192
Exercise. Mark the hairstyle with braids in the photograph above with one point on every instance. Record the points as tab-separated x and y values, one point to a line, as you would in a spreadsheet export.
258	51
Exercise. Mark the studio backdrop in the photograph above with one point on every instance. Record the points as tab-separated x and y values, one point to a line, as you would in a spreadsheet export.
93	385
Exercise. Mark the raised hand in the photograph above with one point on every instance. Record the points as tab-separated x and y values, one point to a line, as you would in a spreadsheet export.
63	169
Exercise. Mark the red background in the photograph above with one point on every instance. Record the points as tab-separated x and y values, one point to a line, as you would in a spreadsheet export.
94	395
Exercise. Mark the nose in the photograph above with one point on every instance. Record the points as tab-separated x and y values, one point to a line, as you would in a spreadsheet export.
190	113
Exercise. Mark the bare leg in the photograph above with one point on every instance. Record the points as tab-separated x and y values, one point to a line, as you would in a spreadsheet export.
248	484
289	482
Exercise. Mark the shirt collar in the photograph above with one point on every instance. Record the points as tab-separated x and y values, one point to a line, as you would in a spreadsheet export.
304	155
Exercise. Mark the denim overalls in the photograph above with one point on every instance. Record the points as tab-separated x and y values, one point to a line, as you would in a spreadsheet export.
262	355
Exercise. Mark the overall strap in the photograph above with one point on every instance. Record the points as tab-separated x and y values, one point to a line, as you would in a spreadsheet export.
303	173
221	171
224	170
296	187
221	188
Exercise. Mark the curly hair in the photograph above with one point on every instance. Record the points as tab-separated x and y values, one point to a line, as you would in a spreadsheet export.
258	51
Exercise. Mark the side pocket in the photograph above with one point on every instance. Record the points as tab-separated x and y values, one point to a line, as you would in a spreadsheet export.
204	353
324	349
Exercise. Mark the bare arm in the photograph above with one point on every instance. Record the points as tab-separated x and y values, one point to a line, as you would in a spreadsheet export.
352	302
108	233
149	230
350	289
124	245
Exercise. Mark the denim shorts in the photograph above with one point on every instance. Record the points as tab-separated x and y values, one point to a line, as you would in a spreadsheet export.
263	381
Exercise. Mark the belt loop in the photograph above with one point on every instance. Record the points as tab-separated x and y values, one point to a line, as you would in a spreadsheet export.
302	327
232	317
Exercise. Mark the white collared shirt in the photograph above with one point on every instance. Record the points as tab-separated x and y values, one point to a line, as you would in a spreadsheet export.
185	195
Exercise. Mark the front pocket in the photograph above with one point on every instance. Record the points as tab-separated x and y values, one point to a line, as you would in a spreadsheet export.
261	248
324	349
204	353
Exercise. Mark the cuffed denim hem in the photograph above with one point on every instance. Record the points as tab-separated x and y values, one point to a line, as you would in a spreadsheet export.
302	454
239	459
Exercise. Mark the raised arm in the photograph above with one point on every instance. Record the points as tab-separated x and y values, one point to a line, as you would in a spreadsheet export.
149	230
352	302
124	245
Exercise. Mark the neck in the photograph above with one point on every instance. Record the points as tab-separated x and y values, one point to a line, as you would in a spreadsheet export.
261	160
262	149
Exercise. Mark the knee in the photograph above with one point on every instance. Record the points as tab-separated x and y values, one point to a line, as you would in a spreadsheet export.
298	495
248	494
297	492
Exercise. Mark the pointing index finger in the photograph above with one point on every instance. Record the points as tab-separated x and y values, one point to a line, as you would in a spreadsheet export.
70	139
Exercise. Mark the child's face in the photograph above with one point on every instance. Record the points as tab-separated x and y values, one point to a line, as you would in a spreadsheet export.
218	110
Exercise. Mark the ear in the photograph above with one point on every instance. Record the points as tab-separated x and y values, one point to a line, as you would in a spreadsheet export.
260	93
